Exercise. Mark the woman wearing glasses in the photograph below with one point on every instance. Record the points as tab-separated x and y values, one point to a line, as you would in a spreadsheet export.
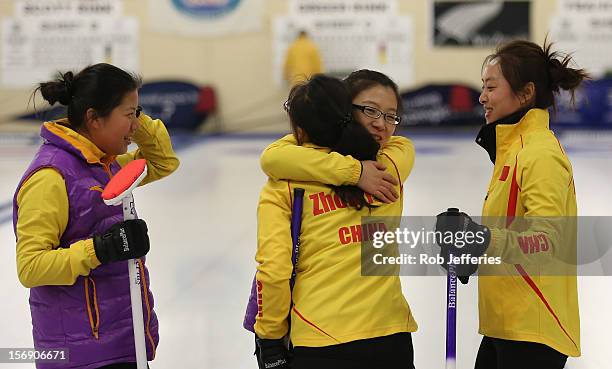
340	318
71	247
376	106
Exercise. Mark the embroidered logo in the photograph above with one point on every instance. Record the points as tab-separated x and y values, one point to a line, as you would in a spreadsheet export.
96	188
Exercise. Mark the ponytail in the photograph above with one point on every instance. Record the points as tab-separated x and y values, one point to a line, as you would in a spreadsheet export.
561	76
58	90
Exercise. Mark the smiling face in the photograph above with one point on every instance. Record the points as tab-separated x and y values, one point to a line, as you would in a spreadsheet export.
382	98
497	97
112	134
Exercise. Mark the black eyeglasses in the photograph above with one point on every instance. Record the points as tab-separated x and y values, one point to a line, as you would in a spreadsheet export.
374	113
138	111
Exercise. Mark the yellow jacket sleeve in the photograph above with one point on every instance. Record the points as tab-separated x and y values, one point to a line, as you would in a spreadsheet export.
43	216
274	260
285	159
155	146
400	151
544	179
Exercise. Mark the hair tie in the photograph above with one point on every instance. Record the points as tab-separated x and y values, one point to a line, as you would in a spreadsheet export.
68	85
346	120
68	79
554	63
554	66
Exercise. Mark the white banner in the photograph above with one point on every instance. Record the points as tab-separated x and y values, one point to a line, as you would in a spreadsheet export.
583	28
342	7
34	50
584	7
68	8
385	44
587	38
205	17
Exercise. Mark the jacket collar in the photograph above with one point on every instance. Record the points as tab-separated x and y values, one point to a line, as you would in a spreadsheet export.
60	134
497	137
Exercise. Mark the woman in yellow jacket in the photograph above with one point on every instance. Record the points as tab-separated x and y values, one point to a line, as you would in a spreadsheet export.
528	304
339	318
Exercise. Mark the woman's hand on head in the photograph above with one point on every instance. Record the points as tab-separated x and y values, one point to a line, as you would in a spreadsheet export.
377	182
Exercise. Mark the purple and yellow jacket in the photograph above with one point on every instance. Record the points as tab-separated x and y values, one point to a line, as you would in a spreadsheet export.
76	303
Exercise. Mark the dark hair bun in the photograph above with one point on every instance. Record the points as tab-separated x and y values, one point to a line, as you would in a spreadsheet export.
59	90
562	76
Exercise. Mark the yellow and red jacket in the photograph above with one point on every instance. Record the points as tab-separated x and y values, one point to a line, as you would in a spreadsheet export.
333	302
532	181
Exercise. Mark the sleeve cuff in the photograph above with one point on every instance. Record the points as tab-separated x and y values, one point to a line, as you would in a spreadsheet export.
355	173
91	252
145	127
493	249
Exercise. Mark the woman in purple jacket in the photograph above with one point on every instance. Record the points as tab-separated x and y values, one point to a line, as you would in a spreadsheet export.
71	247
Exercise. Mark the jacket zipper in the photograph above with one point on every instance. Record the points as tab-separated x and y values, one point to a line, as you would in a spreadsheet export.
107	169
93	312
145	293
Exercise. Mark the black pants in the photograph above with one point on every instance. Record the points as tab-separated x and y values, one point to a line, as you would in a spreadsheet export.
495	353
388	352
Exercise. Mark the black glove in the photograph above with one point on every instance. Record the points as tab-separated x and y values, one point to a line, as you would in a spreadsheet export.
271	353
463	271
124	240
459	224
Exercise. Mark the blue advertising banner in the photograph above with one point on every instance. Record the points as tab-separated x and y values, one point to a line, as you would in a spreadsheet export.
592	106
176	103
605	95
180	105
434	105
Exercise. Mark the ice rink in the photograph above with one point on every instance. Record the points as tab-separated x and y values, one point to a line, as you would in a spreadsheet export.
202	224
